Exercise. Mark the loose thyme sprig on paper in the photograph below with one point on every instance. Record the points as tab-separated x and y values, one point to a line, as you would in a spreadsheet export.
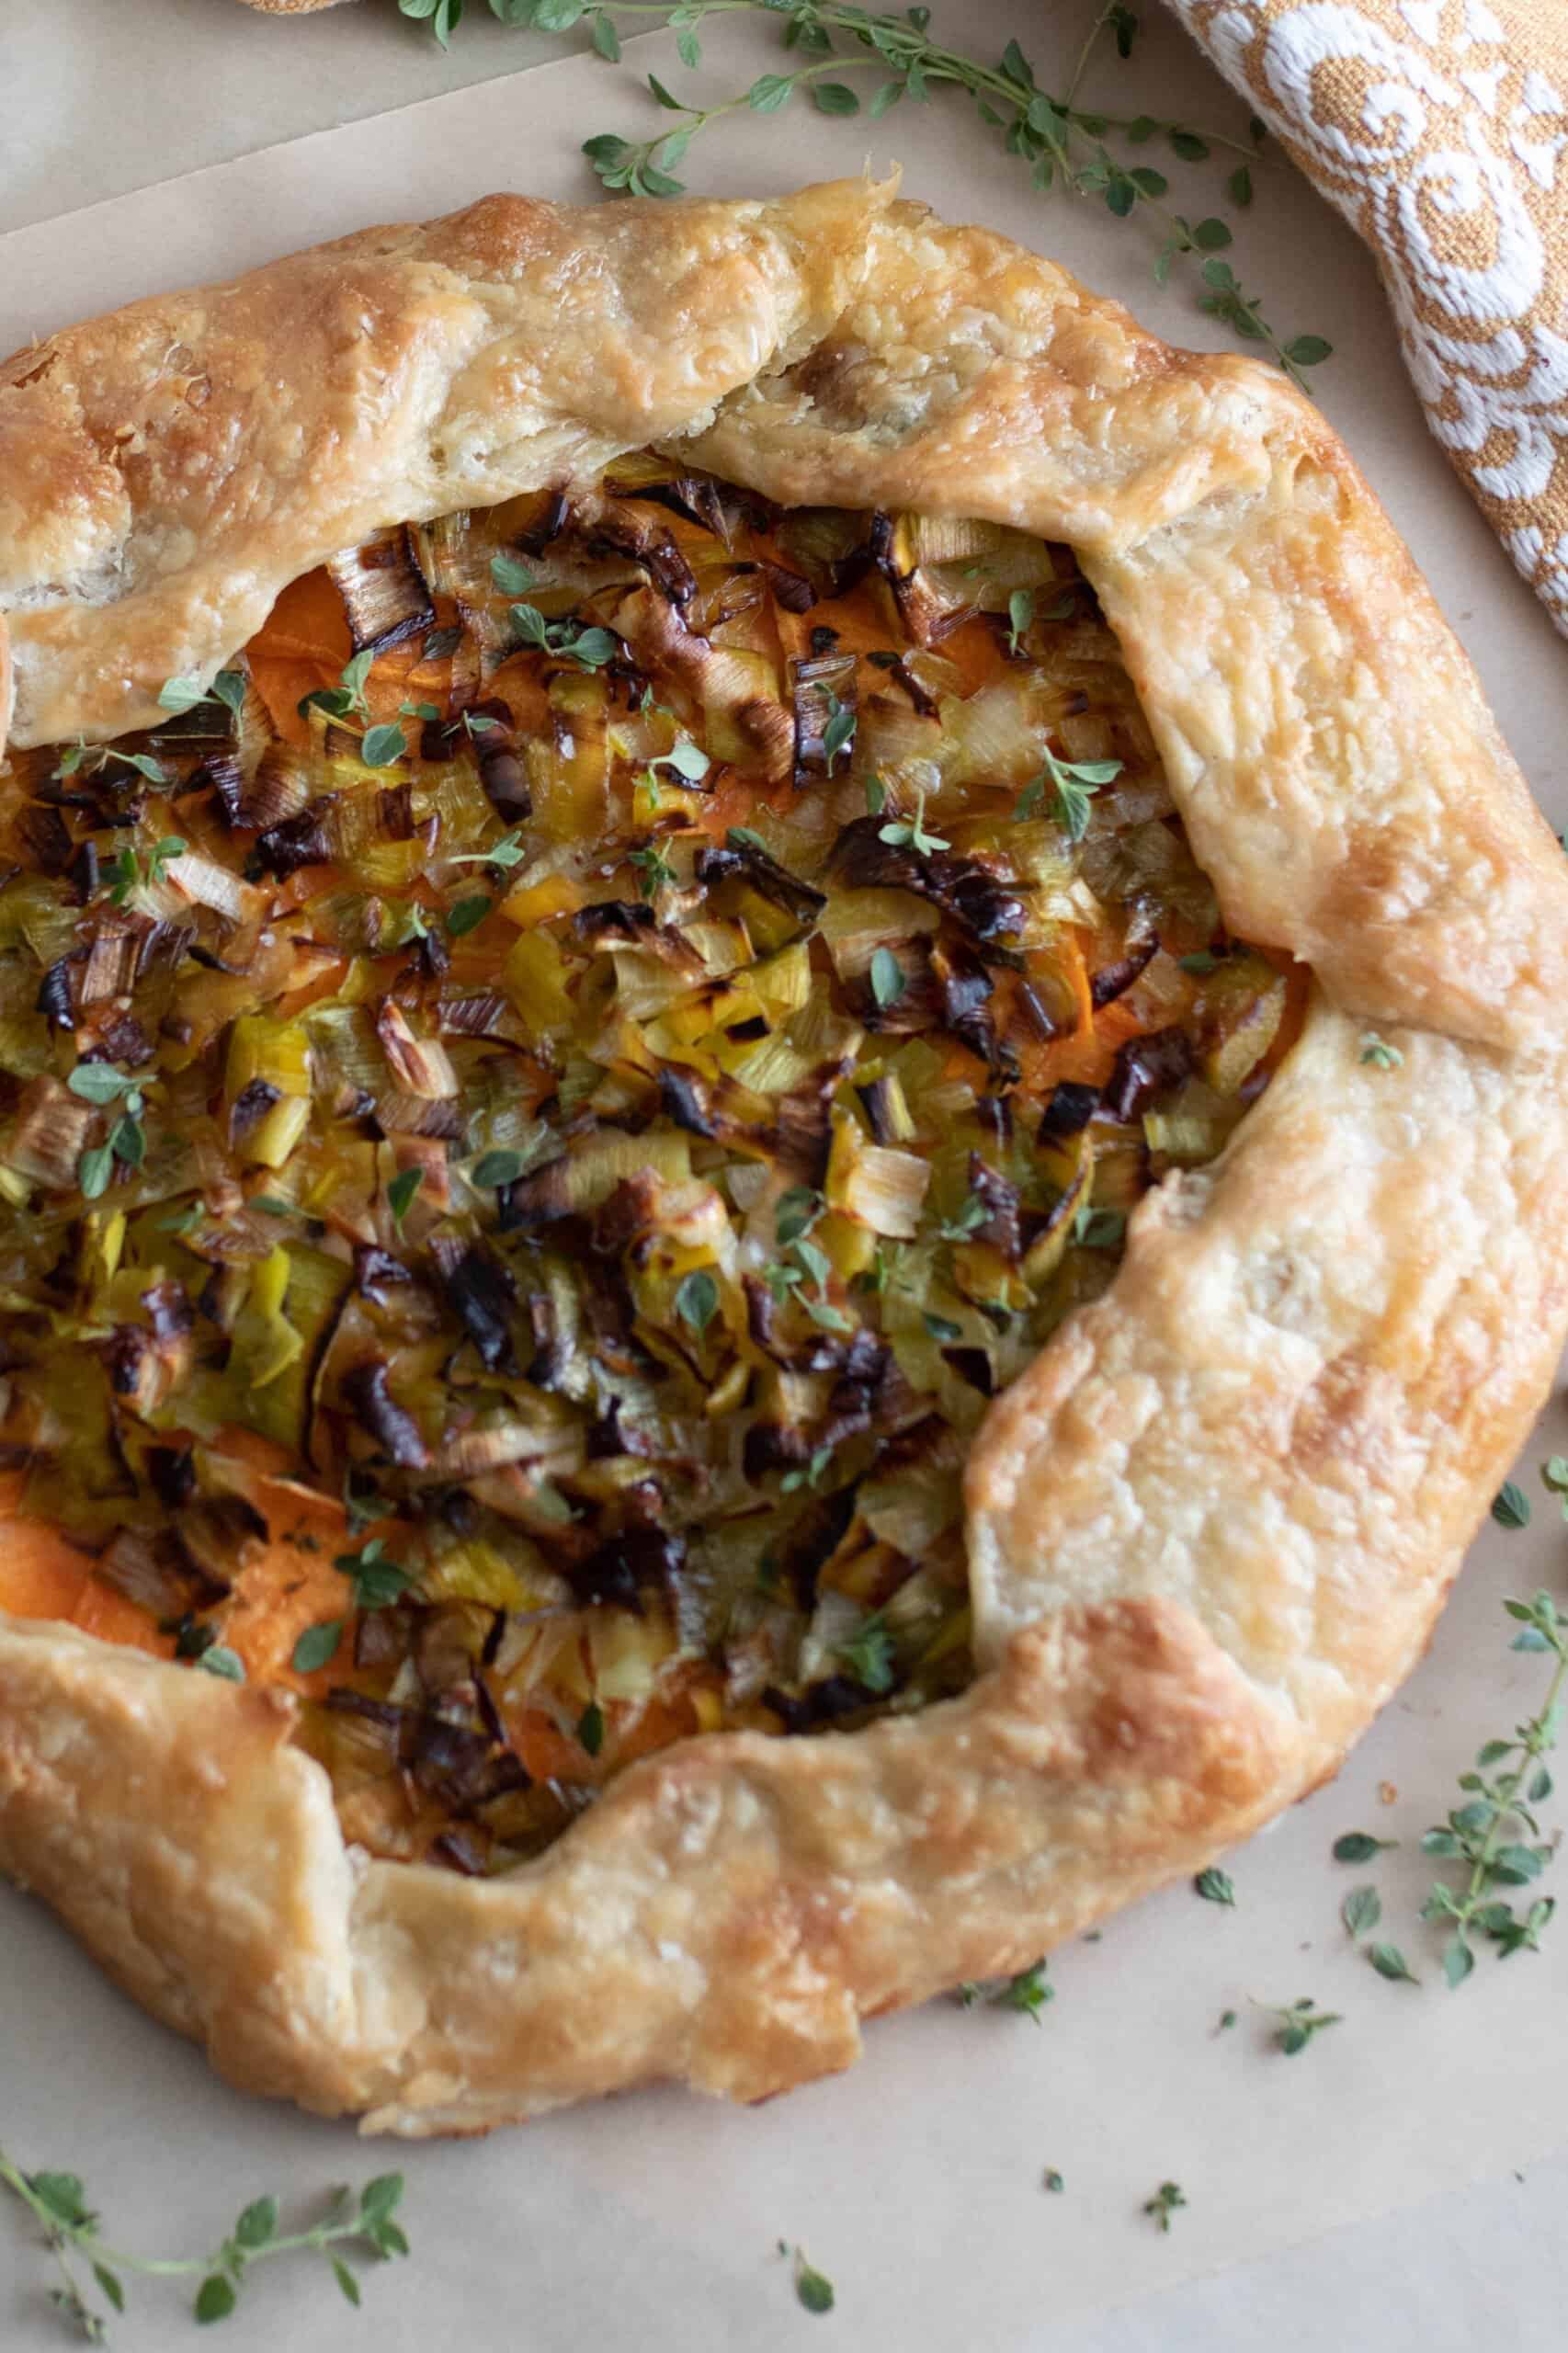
1063	143
1495	1831
59	2202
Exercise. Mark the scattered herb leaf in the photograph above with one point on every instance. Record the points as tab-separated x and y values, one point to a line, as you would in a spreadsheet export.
1215	1887
1359	1846
316	1645
696	1301
1361	1910
1298	2022
401	1190
1511	1505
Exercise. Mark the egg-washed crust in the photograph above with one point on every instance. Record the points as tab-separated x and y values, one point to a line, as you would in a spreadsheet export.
1210	1530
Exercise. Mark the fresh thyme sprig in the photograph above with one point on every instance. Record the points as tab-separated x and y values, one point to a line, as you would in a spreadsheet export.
1073	784
104	1086
1063	143
58	2202
1495	1831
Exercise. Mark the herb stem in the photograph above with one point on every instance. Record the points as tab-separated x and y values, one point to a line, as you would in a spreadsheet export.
1535	1739
57	2201
936	63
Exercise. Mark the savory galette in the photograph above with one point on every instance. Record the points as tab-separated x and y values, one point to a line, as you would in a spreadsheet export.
782	1152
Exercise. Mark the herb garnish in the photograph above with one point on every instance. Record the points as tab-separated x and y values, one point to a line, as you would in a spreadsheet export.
1485	1831
807	1474
813	2288
501	1167
347	699
1298	2022
401	1190
1060	144
382	747
129	873
909	833
71	2227
512	578
868	1654
101	1083
1511	1505
317	1645
696	1301
1215	1887
812	1266
1164	2204
888	981
508	852
796	1211
1074	785
1099	1229
1026	1992
187	694
590	648
377	1582
967	1219
87	759
1359	1846
687	758
218	1659
839	732
466	914
1379	1053
1361	1910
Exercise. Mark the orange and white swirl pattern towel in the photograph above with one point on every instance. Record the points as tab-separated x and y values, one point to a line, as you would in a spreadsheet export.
1440	129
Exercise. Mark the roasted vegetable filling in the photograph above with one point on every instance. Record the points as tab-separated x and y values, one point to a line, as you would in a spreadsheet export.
539	1112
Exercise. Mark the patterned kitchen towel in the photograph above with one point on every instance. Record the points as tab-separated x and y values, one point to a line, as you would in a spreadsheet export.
1438	126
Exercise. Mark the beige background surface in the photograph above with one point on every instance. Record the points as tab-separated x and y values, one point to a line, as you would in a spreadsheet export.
913	2181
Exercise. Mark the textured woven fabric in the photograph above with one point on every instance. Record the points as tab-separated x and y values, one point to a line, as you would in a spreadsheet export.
1438	126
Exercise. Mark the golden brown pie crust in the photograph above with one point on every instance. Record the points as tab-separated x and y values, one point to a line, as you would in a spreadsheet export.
1210	1530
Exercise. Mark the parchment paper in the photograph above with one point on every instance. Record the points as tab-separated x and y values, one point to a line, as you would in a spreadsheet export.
915	2181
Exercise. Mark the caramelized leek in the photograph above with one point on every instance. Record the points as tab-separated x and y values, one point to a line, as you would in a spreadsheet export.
610	1153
